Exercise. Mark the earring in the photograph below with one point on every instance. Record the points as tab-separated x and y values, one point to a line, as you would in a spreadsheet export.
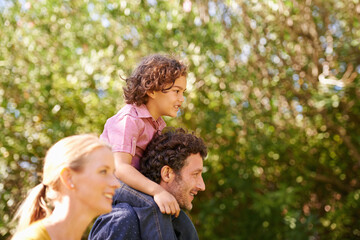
72	185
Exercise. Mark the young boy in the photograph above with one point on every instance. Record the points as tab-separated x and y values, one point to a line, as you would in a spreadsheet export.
153	90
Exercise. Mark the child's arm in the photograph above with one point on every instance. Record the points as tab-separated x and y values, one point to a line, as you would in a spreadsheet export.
132	177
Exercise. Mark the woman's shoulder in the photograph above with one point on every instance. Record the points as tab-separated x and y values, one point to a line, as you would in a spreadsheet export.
35	231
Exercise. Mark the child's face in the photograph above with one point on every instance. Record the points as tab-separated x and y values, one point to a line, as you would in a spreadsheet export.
168	103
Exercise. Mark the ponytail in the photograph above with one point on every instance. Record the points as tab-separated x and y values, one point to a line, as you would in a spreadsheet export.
33	208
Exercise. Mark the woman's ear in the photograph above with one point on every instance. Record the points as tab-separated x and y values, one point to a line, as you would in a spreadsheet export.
66	176
167	174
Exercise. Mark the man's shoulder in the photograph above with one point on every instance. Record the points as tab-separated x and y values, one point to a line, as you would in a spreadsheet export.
135	198
119	211
121	223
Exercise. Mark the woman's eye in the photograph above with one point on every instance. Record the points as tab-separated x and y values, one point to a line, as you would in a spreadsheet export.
103	171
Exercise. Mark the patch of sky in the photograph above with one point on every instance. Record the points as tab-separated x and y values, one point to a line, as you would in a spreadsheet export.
227	20
232	103
217	72
299	108
197	21
34	159
284	55
212	8
90	7
235	119
262	49
134	34
105	22
263	41
79	51
25	165
4	4
295	77
245	104
275	59
253	24
101	93
236	8
342	67
24	5
273	72
179	113
94	16
305	86
315	11
322	39
337	88
246	51
110	6
152	2
12	109
218	58
335	27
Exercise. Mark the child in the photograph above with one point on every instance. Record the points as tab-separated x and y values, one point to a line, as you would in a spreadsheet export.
154	89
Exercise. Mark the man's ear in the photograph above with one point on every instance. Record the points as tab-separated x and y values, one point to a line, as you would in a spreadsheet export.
66	176
167	174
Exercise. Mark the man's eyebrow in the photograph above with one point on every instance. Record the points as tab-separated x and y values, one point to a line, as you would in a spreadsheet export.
198	170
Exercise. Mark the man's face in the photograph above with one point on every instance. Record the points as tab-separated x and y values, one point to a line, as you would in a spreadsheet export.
187	184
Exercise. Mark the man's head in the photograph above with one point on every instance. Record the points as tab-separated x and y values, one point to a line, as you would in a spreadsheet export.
174	159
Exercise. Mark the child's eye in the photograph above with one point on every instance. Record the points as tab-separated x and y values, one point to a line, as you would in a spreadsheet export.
104	171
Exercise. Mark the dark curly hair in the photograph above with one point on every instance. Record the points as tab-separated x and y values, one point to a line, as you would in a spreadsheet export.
171	147
152	74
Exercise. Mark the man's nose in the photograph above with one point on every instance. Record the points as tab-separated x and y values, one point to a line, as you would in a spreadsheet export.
201	184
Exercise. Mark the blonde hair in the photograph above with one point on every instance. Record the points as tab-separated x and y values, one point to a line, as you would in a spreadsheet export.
69	152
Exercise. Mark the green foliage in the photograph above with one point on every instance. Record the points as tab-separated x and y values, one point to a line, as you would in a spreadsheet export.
273	89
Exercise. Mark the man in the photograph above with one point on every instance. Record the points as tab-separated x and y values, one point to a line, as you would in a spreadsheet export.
173	159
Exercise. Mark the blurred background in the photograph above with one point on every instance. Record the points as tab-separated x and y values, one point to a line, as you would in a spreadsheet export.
273	89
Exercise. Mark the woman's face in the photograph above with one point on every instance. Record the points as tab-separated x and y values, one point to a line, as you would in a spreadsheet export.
95	185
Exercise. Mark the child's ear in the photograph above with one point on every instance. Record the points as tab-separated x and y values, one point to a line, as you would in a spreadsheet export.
151	94
167	174
66	177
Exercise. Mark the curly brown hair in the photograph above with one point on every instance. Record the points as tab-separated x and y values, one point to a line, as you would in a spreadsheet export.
171	147
152	74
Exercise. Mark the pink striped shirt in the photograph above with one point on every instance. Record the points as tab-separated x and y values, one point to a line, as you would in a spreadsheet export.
131	130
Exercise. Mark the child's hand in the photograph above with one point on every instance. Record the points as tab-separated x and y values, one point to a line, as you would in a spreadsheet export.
167	203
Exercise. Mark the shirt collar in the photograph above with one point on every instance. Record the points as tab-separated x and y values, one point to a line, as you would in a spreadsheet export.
143	112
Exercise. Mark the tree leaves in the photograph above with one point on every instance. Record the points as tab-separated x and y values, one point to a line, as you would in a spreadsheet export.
283	146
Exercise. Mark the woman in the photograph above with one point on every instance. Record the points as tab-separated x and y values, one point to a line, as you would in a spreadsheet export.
78	185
